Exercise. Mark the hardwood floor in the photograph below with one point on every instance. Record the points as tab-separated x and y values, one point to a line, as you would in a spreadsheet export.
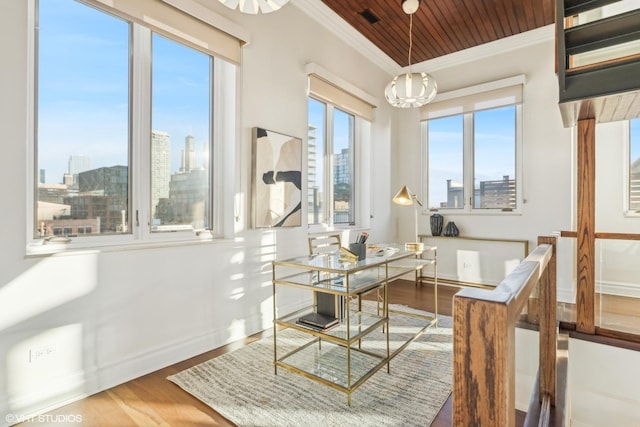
152	400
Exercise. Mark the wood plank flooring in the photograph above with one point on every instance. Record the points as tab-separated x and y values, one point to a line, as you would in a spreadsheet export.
152	400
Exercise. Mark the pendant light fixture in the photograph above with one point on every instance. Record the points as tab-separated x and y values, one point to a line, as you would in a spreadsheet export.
411	89
254	6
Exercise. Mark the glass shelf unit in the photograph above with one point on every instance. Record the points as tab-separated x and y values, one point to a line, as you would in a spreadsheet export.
344	356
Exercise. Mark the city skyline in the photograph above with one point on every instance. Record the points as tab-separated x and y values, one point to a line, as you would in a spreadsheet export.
83	89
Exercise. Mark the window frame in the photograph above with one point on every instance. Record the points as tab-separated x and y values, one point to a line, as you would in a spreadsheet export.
224	91
328	172
468	166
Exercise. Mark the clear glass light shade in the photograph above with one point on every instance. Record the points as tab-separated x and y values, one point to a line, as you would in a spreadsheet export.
255	6
411	90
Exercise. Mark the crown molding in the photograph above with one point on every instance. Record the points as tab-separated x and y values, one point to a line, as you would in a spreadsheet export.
326	17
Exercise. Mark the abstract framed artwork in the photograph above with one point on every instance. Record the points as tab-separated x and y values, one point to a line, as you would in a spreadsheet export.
276	180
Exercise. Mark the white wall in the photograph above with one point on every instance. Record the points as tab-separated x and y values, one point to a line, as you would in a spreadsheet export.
114	315
603	385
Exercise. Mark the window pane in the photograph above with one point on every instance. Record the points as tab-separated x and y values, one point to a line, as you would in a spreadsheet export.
315	161
343	137
180	139
82	119
445	142
494	158
634	165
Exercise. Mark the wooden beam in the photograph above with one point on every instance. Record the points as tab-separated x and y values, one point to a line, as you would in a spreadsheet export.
585	298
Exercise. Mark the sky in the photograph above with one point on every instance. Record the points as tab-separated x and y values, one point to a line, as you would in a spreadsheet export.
83	89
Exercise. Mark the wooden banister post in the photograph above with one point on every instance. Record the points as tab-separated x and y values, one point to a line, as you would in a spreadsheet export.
483	361
548	324
585	298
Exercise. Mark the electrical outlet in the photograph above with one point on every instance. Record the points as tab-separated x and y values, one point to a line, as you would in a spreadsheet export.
40	353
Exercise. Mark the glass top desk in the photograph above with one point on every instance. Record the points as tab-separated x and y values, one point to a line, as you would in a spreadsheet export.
329	274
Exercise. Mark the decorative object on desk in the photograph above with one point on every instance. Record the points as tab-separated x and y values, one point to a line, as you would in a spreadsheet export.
277	179
451	230
414	246
436	222
347	256
406	198
241	386
360	249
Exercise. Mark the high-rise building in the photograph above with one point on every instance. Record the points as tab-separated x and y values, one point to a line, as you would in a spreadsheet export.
313	194
160	167
42	176
78	164
342	167
634	186
103	194
188	155
498	194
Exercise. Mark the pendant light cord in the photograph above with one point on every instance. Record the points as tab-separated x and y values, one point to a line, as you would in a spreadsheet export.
410	40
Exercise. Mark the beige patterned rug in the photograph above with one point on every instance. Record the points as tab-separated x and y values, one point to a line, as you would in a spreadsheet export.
242	386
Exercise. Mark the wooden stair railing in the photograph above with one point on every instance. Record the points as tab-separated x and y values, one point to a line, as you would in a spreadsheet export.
484	323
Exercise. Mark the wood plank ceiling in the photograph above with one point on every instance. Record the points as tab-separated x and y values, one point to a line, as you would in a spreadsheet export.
441	27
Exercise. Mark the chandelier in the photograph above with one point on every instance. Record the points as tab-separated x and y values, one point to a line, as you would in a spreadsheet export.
254	6
411	89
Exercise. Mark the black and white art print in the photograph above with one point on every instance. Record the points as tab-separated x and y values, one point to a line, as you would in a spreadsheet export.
277	179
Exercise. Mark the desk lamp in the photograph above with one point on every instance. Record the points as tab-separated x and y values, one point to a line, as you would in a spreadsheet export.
405	198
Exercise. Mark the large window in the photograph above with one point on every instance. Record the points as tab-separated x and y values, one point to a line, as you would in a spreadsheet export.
634	165
472	147
180	139
331	165
124	124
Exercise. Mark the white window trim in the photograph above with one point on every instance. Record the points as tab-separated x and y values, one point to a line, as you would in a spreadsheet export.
469	172
224	123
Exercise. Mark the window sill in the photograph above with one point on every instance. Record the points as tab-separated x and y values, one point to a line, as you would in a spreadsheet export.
477	212
116	244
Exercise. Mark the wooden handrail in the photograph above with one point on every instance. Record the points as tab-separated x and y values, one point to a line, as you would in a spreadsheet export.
484	341
605	236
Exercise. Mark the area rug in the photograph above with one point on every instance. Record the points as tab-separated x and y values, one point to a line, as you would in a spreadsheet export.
242	386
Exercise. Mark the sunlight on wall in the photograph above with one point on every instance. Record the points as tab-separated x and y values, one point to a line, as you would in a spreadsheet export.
237	258
266	309
46	285
236	294
46	367
237	330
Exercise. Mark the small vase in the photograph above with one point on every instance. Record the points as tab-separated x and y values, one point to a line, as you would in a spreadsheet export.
436	221
451	230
